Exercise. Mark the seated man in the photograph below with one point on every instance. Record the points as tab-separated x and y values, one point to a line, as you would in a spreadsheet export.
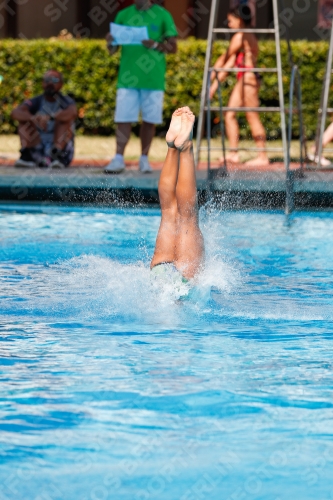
46	126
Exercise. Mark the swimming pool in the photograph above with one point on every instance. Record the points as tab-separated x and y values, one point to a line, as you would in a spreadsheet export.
112	390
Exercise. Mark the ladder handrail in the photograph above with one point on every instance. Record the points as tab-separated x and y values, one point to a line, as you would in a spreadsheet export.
322	111
212	21
222	126
291	98
209	177
290	203
303	151
280	83
289	206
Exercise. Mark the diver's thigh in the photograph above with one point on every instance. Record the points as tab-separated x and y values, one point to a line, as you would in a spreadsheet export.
189	249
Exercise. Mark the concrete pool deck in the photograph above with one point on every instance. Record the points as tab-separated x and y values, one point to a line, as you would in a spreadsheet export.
85	182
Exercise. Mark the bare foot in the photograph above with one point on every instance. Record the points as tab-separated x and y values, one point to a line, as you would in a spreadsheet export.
259	162
230	158
184	138
324	162
175	126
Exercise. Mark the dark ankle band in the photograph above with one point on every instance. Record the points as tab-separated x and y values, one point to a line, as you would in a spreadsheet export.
188	145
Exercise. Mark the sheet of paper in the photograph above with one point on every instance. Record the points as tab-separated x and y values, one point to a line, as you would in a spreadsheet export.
128	35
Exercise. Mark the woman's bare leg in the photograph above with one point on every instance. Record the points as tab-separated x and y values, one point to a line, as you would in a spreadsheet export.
166	237
231	123
251	100
327	138
328	135
189	242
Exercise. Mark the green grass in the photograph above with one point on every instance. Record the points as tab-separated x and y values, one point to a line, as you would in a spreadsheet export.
97	147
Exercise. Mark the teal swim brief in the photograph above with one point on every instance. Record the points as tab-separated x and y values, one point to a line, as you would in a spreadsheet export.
167	275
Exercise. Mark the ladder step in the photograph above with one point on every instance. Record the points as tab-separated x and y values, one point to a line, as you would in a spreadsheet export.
244	109
268	150
248	30
262	109
245	70
329	110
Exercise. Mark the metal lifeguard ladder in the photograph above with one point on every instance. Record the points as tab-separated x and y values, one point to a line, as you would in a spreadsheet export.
324	109
294	90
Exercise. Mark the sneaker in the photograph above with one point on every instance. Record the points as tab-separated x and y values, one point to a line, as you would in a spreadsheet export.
144	166
26	159
57	164
20	163
115	166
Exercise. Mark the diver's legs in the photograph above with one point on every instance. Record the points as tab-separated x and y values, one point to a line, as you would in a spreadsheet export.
166	237
189	242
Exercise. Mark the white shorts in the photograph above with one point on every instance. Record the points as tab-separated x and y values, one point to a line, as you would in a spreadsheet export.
130	102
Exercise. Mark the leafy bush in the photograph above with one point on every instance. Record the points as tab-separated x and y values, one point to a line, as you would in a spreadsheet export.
90	74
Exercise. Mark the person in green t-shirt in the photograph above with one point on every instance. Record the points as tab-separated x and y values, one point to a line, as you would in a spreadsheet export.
141	78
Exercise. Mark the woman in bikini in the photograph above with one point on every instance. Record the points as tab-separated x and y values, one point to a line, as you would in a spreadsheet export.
179	249
242	53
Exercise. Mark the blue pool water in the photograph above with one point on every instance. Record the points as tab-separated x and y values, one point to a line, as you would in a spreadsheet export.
111	389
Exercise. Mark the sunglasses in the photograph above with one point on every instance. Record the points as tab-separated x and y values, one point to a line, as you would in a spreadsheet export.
51	79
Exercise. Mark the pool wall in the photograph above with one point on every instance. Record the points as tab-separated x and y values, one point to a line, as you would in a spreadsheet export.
91	185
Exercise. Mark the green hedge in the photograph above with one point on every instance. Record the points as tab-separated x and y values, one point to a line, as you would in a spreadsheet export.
90	74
